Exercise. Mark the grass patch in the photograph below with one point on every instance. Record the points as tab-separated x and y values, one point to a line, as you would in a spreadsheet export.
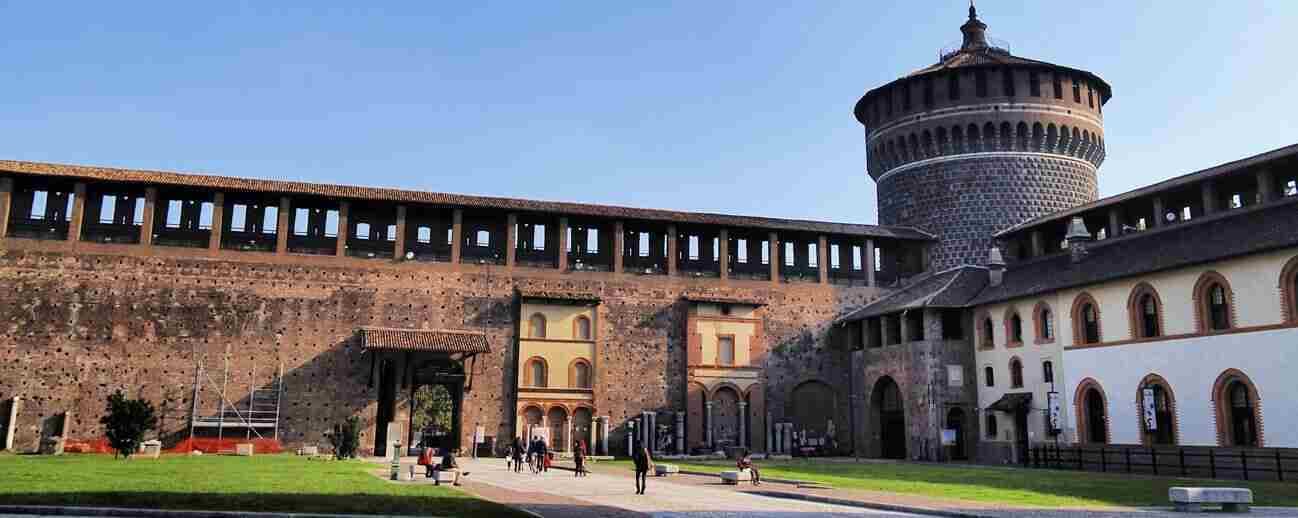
1008	486
227	483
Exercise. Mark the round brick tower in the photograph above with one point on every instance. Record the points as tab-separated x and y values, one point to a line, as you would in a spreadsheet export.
980	141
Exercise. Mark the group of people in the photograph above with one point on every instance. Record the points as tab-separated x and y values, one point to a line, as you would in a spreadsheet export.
538	457
448	464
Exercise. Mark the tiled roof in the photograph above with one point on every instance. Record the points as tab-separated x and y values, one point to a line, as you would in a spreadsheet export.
1288	152
992	57
568	295
226	183
423	340
1209	238
951	288
709	299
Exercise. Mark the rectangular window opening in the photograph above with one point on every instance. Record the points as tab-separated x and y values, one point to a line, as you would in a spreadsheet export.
742	256
592	241
693	248
173	213
788	254
538	238
205	215
424	235
270	220
813	255
107	209
766	252
643	245
238	218
833	257
856	258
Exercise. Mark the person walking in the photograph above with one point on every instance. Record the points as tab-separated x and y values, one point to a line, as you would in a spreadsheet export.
517	452
545	455
579	459
533	452
643	463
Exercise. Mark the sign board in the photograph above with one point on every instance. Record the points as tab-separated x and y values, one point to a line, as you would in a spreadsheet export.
955	376
1055	412
479	435
948	437
1147	409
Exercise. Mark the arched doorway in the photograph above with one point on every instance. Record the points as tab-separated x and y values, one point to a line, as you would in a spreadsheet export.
812	408
1092	413
1156	394
955	421
532	419
557	422
436	392
725	417
581	427
1236	400
890	416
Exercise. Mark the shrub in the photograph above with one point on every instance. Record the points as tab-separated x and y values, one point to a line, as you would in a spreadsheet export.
346	438
126	421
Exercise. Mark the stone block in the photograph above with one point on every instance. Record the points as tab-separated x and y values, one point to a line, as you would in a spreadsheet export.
309	450
243	449
151	449
733	477
662	470
52	446
1191	499
443	475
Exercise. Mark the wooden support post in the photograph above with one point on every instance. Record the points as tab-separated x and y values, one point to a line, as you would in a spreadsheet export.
78	211
399	244
869	262
724	260
822	265
1265	186
1115	223
511	240
773	254
344	211
1209	193
6	202
619	248
218	222
457	234
671	250
1038	245
281	226
563	244
1159	212
150	214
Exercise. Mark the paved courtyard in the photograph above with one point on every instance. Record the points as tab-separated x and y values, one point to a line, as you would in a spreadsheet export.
664	499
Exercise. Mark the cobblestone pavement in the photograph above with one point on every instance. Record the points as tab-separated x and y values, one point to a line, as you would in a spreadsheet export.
662	500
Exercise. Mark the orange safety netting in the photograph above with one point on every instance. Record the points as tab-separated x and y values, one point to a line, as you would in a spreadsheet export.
203	444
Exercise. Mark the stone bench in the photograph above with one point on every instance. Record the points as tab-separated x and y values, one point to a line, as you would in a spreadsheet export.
1191	499
443	475
662	470
733	477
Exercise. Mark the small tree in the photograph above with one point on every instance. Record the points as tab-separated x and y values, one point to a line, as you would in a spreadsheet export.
346	438
126	422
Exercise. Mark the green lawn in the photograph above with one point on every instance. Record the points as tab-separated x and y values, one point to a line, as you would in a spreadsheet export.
227	483
1009	486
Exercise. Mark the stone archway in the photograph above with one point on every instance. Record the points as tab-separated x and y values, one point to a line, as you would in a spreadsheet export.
725	417
888	412
813	406
556	421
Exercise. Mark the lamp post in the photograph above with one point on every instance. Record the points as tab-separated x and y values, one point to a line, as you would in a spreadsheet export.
630	438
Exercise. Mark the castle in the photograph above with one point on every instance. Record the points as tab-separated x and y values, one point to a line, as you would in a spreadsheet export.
258	309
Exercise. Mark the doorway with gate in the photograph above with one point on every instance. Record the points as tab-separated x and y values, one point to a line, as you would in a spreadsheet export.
955	421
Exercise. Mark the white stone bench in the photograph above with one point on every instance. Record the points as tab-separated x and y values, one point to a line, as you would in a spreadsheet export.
662	470
733	477
443	475
1191	499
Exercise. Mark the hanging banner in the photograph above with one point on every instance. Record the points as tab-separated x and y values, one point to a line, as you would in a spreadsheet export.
1052	405
1147	408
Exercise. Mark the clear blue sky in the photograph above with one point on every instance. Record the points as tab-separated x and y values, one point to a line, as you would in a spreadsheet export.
737	107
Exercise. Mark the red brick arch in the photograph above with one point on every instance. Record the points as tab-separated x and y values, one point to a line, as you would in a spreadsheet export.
1201	287
1079	404
527	372
1155	379
1289	291
1136	315
1221	404
572	373
1079	329
1008	322
1039	323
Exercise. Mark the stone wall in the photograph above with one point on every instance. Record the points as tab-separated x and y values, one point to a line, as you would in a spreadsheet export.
80	321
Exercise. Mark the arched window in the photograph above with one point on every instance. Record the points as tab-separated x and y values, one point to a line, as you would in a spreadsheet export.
989	375
580	372
535	372
1013	329
1214	299
1145	310
1157	411
1048	371
1289	290
536	326
1045	323
988	336
991	426
1092	413
1236	399
581	328
1086	320
1016	373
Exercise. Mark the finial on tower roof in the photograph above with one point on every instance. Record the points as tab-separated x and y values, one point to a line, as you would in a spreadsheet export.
974	30
973	11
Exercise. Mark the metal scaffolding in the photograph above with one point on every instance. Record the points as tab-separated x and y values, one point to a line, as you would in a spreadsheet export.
255	417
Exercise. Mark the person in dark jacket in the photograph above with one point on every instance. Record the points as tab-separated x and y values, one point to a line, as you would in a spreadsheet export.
579	459
544	450
517	452
643	464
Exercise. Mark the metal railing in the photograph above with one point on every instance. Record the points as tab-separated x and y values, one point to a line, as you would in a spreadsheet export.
1186	461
